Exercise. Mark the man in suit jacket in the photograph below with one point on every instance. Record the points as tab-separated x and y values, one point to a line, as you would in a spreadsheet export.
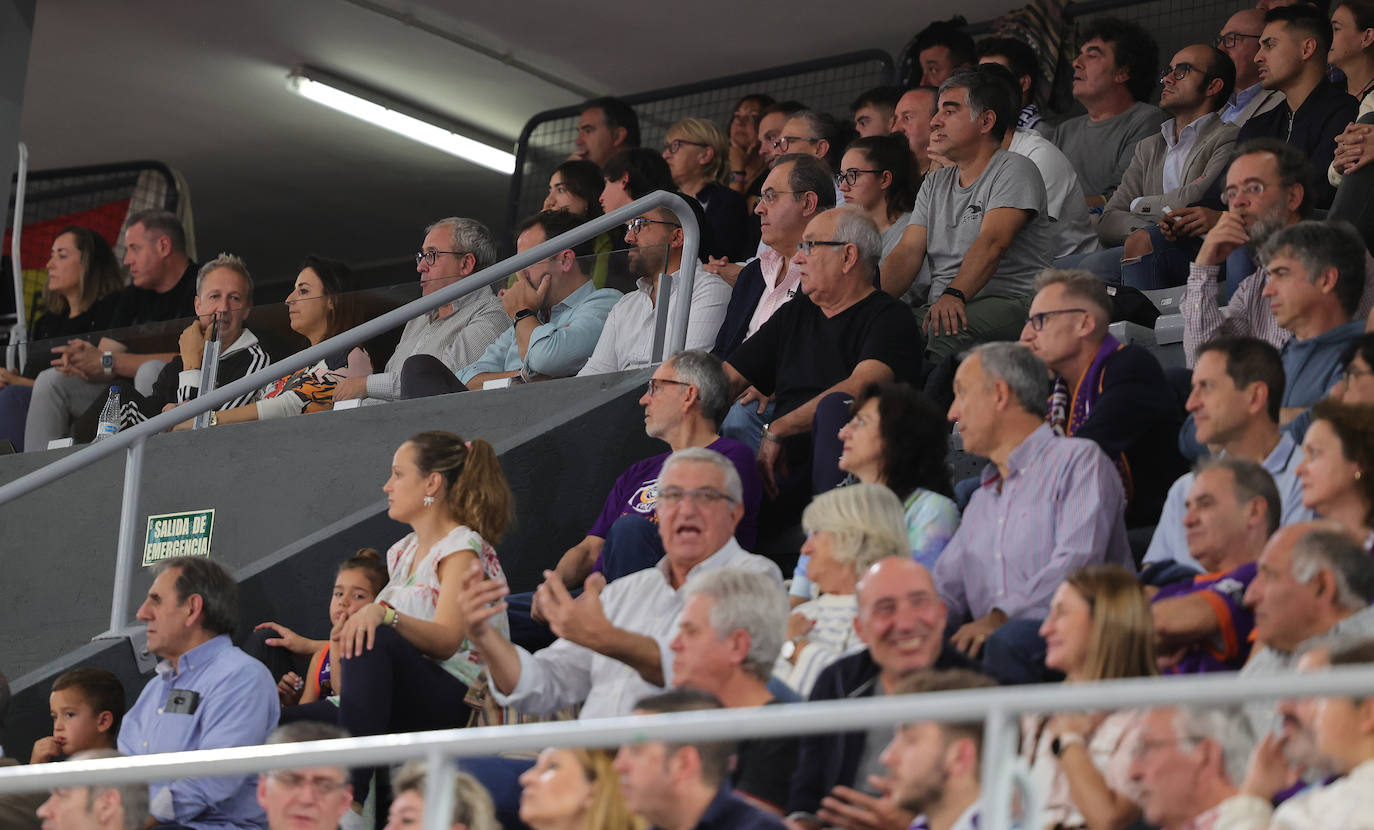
1174	168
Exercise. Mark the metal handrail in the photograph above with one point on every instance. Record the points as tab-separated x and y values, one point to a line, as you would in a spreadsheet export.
132	439
999	707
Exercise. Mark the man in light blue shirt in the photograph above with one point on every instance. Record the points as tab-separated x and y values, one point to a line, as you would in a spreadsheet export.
207	694
556	312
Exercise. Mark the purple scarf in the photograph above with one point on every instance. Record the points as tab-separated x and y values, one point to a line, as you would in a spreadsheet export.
1068	413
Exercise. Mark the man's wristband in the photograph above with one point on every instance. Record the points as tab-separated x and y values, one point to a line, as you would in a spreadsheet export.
768	435
522	314
956	294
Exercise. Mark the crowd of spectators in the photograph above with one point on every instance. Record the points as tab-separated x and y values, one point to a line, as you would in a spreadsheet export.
956	256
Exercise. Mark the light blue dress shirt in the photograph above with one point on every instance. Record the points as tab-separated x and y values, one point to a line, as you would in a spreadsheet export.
237	707
558	347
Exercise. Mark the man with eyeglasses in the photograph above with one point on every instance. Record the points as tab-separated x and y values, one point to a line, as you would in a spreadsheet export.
1186	762
797	189
1110	392
1266	189
613	639
1174	168
313	798
1239	39
454	335
982	223
814	134
683	406
1292	59
655	238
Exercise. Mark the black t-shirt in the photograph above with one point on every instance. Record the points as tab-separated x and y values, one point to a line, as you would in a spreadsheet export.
763	768
799	352
56	329
138	306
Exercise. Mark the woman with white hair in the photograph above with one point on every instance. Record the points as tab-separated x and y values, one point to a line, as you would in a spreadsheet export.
847	530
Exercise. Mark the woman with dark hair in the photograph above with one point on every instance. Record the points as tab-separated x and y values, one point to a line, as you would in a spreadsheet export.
745	162
406	658
878	175
896	437
79	298
575	186
1352	52
1337	468
1099	628
1357	372
631	174
321	305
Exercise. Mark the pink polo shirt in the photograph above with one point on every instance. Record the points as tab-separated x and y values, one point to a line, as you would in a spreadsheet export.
779	286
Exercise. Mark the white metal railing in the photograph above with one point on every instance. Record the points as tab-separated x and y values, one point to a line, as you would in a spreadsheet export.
999	708
132	440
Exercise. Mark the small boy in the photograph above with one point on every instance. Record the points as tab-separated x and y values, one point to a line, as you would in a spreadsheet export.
86	705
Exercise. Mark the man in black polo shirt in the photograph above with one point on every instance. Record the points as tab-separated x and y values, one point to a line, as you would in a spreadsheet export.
685	784
164	288
822	348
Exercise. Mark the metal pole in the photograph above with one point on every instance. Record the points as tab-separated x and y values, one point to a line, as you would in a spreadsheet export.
661	311
128	534
440	770
1000	739
209	371
682	294
21	176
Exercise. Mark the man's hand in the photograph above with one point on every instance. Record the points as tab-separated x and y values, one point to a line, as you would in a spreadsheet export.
772	465
1268	771
581	620
525	294
192	345
350	389
1189	222
937	162
1222	240
854	810
480	599
45	750
971	636
751	395
947	316
723	268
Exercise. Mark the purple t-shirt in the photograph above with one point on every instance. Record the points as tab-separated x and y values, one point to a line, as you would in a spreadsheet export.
636	492
1225	592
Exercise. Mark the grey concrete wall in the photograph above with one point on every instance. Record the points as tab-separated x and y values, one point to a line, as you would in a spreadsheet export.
273	484
16	31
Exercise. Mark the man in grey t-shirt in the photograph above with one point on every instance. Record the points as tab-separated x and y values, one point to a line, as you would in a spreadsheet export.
981	224
1112	77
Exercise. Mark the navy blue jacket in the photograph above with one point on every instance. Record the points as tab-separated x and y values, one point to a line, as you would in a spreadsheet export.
744	298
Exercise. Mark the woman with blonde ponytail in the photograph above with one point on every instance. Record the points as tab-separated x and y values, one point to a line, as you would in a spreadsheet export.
407	657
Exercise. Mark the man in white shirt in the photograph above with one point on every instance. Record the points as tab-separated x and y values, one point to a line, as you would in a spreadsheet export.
457	333
613	640
627	340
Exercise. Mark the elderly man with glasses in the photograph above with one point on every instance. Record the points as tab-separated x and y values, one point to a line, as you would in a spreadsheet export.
613	646
1239	39
455	334
314	798
655	238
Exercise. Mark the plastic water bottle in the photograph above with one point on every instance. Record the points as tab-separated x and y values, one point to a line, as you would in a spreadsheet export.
109	416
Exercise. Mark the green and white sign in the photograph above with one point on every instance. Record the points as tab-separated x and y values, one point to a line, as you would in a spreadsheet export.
178	534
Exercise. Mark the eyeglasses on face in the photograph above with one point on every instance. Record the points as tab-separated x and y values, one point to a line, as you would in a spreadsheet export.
1230	39
1352	373
1253	189
671	147
655	384
1178	71
429	257
322	787
770	196
638	225
1037	321
851	175
704	496
808	246
785	143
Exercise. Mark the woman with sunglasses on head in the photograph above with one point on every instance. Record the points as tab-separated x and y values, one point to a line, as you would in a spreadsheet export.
698	154
321	305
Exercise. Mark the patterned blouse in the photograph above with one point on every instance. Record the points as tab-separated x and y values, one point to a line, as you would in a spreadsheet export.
417	594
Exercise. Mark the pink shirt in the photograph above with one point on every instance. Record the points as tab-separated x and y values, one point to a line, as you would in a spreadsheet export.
779	287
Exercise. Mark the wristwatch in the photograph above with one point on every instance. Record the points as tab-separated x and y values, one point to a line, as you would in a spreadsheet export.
1064	741
956	294
107	363
768	435
522	314
213	420
789	649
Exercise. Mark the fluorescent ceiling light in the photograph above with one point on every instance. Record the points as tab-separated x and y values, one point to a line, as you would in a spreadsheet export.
389	116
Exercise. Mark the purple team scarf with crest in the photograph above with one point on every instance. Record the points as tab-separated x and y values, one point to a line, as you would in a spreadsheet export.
1068	413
